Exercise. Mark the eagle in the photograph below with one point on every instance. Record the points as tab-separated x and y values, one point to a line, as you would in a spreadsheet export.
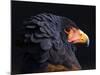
53	40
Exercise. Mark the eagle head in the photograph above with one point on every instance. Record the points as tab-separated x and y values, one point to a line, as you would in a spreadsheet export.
77	36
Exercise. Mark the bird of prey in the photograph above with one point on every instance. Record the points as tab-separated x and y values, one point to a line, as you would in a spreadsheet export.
53	39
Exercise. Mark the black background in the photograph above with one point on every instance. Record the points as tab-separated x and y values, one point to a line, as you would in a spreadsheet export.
83	16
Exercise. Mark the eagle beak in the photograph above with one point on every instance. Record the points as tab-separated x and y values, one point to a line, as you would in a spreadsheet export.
84	38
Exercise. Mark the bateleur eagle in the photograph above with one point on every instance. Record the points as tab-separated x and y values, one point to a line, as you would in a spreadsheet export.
56	36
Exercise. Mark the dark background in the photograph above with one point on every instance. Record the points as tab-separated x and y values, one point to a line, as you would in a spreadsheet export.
83	16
